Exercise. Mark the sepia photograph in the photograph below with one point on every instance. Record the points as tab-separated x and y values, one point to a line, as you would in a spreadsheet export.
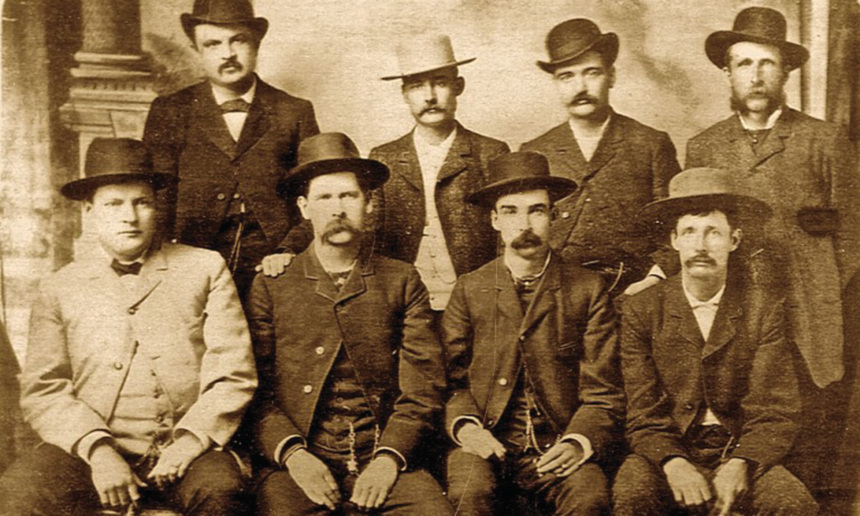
398	257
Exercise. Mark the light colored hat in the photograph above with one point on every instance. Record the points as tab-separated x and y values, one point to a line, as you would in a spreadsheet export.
424	54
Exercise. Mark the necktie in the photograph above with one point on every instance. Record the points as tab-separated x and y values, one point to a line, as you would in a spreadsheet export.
122	269
235	106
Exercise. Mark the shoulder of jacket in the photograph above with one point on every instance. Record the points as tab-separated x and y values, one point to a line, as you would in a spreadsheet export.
546	138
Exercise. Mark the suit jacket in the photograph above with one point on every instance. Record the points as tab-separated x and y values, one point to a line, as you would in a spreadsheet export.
86	326
804	162
631	167
744	373
9	405
381	316
567	340
188	137
470	237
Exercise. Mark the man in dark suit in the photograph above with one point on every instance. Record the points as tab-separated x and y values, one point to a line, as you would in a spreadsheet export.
618	163
806	170
230	140
712	395
422	217
351	373
530	340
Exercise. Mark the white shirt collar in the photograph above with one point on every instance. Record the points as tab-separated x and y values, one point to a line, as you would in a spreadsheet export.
534	277
695	303
422	145
771	120
599	136
248	96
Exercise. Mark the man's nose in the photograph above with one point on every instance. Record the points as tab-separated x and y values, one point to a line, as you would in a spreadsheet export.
129	213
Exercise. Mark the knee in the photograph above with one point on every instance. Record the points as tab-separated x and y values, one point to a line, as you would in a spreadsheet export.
471	480
635	491
779	492
217	492
584	492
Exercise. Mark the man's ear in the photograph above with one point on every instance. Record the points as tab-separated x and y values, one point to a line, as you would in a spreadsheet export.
459	86
494	220
673	239
737	236
611	74
302	203
368	205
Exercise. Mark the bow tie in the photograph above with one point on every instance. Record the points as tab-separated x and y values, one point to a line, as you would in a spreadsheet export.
235	106
122	268
704	304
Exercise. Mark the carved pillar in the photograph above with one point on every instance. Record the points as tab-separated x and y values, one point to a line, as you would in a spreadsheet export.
112	85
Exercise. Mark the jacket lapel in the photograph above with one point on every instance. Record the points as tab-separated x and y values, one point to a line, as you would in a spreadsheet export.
151	275
314	272
681	315
355	284
209	120
257	121
507	301
725	322
406	163
455	161
544	298
568	154
775	141
607	145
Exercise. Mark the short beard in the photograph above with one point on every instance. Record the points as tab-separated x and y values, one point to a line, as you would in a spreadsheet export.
774	102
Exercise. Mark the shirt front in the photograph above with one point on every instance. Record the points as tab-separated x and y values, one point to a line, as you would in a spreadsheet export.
235	120
705	312
433	260
588	144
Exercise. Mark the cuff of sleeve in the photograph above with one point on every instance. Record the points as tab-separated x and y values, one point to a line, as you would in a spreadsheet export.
657	272
285	445
204	439
85	445
587	449
458	423
400	458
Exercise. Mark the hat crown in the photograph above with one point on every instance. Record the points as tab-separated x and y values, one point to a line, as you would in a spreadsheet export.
326	146
518	165
111	156
696	182
569	37
425	53
762	22
223	11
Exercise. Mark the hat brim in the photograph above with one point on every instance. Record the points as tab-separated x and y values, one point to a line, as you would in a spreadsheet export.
659	215
433	69
258	25
718	43
371	171
606	44
81	189
557	187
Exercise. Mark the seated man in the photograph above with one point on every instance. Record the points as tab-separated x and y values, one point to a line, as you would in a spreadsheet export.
139	364
532	362
713	401
351	372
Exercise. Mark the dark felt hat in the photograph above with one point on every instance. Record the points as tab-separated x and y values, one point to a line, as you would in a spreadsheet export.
223	12
327	153
572	38
115	160
756	25
519	172
697	190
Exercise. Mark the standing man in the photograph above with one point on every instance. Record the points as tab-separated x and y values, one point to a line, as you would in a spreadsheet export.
230	140
530	340
618	163
421	214
352	373
805	169
712	395
139	365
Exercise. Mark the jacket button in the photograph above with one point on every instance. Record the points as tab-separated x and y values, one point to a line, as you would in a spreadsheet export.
237	195
688	406
132	310
221	196
503	381
522	338
320	350
117	365
307	389
565	214
491	422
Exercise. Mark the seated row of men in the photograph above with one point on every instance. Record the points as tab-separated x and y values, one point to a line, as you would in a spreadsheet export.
141	365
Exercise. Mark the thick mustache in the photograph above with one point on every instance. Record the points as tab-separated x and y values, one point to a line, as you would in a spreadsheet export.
526	239
430	109
701	259
232	63
583	96
337	226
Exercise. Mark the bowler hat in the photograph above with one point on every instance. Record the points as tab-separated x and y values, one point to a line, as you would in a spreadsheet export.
327	153
756	25
519	172
425	53
112	161
572	38
223	12
697	190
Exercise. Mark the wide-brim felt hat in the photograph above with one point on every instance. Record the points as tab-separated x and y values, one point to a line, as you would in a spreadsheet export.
114	161
699	190
425	53
520	172
573	38
757	25
327	153
223	12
